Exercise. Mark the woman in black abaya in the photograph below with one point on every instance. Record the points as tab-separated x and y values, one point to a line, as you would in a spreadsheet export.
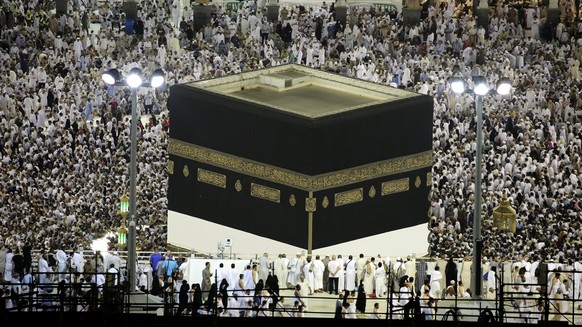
361	298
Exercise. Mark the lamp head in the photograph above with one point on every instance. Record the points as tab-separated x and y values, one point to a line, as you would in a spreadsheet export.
457	85
111	76
504	86
481	85
158	78
134	79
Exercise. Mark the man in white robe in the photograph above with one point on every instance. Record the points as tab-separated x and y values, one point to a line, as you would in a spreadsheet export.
318	269
307	274
350	281
435	283
292	277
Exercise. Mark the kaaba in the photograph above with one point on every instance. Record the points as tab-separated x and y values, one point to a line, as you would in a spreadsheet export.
296	156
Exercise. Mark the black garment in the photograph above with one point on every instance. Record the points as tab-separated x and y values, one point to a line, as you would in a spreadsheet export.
24	61
325	261
223	290
338	310
75	127
196	299
183	25
279	29
509	127
318	27
235	40
492	135
98	62
345	298
183	297
52	261
361	298
156	287
85	22
210	301
272	283
162	40
451	272
27	253
287	33
259	286
18	264
275	298
257	298
60	69
340	48
189	33
62	294
412	308
168	292
272	286
138	27
331	29
333	283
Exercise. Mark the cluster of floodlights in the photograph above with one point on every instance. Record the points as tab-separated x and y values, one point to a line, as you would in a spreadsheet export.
134	79
481	86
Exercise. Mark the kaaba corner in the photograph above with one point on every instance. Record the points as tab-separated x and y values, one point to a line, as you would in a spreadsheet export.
300	156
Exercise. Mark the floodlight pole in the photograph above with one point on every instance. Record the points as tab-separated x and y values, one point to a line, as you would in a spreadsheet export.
112	77
476	285
503	88
131	239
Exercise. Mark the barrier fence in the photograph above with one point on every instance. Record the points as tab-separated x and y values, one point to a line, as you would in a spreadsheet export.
550	299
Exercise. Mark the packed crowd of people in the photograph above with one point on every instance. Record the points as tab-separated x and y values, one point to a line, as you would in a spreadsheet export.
64	135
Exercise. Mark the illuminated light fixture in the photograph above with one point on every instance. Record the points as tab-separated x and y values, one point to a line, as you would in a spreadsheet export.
158	78
504	86
111	76
122	230
481	85
122	237
457	85
134	79
123	205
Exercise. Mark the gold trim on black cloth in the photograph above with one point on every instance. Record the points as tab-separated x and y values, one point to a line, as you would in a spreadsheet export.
171	167
396	186
212	178
310	204
292	200
348	197
417	182
372	191
265	192
325	202
297	180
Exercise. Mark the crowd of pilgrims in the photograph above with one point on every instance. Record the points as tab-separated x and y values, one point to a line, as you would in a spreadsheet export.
65	135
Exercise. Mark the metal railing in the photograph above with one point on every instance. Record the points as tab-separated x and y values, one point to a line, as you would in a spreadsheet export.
80	296
65	292
109	293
